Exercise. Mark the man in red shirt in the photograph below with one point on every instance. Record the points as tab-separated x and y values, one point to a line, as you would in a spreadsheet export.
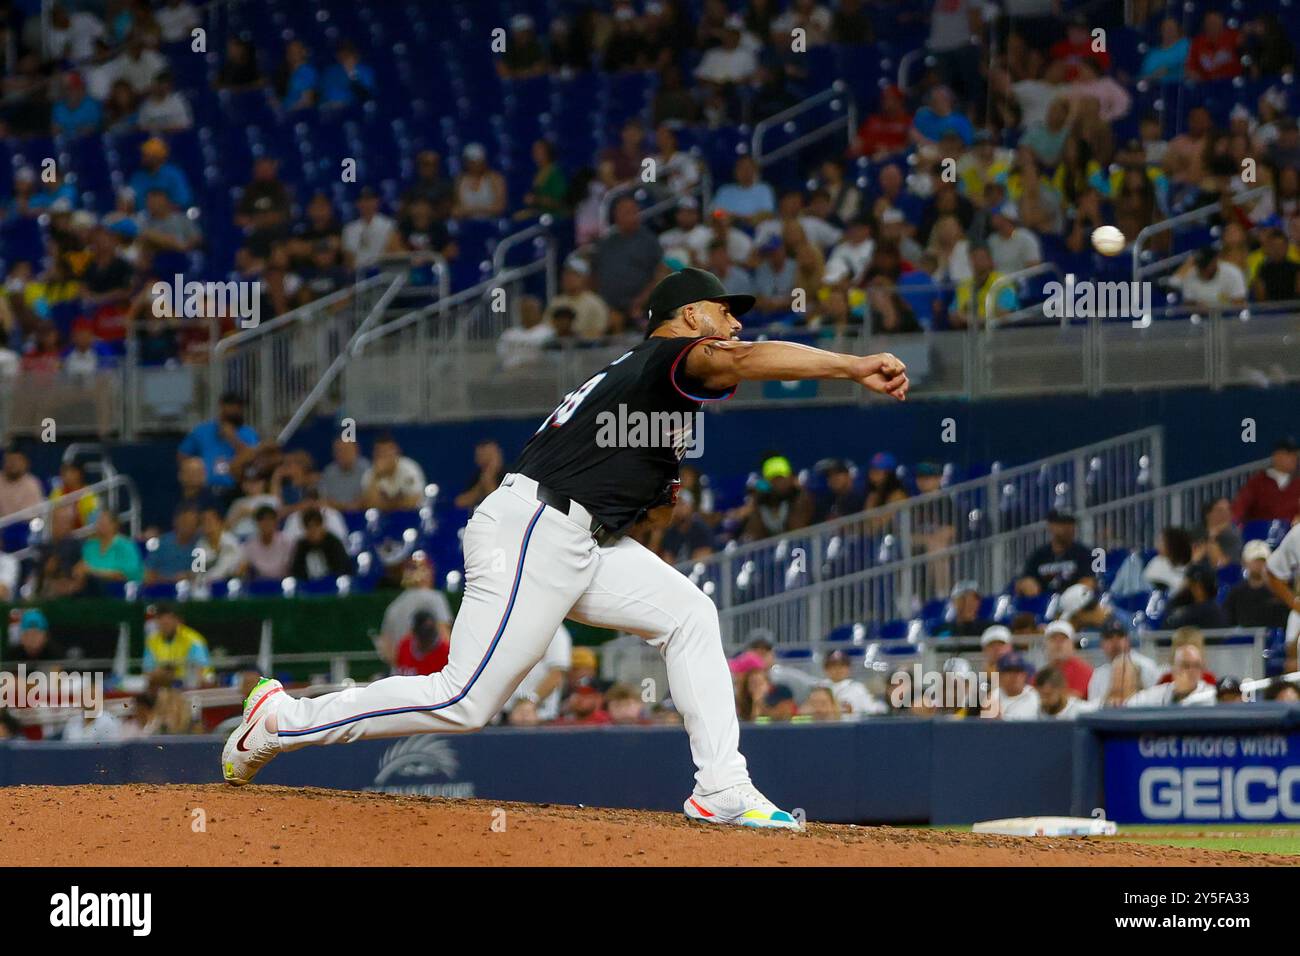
1213	54
1077	47
886	131
586	705
1058	644
424	650
1274	493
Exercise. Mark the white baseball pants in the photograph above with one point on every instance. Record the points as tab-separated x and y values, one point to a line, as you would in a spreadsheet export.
527	568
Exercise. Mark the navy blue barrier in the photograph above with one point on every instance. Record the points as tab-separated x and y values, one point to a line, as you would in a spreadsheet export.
887	771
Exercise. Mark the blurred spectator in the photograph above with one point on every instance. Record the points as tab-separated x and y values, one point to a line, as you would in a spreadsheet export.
676	172
523	56
1227	691
192	476
489	469
1059	648
1015	698
625	261
1188	688
1223	540
1199	609
1213	54
1117	648
255	494
1277	276
347	80
627	157
522	344
175	652
296	80
1207	281
480	191
222	555
888	311
776	502
840	498
173	558
731	62
240	70
57	568
886	131
542	687
108	555
625	705
1011	245
19	488
156	172
966	621
430	184
1173	555
687	537
424	649
849	259
1166	62
75	113
1281	690
820	705
591	314
226	443
549	190
1055	702
940	117
1080	606
851	696
341	483
164	110
72	35
842	198
1251	602
1272	494
311	500
366	238
417	594
585	704
523	713
1059	563
318	553
883	484
393	482
268	551
994	642
35	648
747	198
72	479
165	228
735	278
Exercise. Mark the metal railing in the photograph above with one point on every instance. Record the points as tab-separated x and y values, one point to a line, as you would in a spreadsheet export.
840	100
1143	239
702	192
276	364
109	492
962	516
897	589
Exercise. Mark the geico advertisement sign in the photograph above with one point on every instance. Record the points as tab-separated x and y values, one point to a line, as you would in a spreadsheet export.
1220	793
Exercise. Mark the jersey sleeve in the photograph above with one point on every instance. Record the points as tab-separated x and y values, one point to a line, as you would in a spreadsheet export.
1285	560
669	368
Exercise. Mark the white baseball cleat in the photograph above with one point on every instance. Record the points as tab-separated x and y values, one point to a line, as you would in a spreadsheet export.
251	746
742	806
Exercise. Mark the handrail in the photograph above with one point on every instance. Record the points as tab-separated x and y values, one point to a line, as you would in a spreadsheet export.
1003	281
1166	225
904	64
331	373
629	187
540	228
43	510
405	260
836	89
359	343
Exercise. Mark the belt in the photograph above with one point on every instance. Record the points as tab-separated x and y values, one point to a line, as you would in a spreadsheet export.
565	505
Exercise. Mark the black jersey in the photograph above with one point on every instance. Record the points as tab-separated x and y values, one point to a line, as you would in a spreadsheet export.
614	443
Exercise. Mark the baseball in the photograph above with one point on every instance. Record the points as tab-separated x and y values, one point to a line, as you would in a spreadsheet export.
1108	240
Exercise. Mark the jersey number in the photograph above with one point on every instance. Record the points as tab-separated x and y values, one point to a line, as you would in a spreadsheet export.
571	402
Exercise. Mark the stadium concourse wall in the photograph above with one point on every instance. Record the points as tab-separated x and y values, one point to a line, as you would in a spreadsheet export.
1202	429
1234	764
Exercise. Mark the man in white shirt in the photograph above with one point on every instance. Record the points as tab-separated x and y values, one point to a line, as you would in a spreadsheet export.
1283	567
688	239
176	19
1115	645
732	61
543	683
848	260
164	110
73	36
790	208
852	697
522	344
1207	281
1015	699
393	482
1012	246
1055	702
1187	689
367	237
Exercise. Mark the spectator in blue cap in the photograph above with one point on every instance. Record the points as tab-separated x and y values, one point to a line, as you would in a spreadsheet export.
1016	699
34	644
883	484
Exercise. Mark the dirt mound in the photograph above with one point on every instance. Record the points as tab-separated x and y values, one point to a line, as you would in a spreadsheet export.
141	825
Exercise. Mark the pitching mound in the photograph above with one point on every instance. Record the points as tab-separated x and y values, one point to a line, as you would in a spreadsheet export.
139	825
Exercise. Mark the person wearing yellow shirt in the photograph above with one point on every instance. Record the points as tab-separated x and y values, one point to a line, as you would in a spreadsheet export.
72	478
972	292
177	650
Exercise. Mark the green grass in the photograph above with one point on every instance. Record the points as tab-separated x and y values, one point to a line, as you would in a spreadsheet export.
1249	838
1246	837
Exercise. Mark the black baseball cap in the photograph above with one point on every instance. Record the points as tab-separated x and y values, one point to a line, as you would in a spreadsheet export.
686	286
1287	443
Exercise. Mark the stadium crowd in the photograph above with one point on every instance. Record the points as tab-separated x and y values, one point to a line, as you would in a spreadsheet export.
1002	155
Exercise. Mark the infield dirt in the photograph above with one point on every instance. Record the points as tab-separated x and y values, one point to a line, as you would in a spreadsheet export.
146	825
